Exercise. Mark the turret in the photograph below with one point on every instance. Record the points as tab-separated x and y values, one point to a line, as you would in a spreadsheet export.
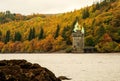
78	38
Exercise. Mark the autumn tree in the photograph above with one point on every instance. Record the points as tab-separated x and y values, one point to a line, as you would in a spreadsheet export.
5	49
116	20
19	17
107	38
1	45
48	43
58	44
106	44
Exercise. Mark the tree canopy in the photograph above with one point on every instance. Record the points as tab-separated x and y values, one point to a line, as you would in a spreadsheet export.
52	32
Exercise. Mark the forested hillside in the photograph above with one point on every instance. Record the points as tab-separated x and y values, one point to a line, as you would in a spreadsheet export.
52	32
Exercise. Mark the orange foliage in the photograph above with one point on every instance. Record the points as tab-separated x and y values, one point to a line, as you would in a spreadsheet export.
48	43
58	44
49	23
107	38
1	45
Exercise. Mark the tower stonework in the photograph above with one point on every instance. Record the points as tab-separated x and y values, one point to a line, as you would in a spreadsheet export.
78	39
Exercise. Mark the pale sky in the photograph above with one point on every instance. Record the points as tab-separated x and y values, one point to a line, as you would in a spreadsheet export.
26	7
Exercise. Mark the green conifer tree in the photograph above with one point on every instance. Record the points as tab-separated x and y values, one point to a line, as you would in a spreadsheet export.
57	32
7	37
64	33
30	35
17	36
41	34
0	36
85	13
33	33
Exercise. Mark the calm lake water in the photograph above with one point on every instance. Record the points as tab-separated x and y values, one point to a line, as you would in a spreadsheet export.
79	67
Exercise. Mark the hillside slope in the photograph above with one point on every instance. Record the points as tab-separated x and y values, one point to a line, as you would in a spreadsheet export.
49	33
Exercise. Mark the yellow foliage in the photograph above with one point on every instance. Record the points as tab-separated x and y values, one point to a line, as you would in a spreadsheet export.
58	44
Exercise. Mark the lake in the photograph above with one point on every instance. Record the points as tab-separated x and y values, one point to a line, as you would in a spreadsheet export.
79	67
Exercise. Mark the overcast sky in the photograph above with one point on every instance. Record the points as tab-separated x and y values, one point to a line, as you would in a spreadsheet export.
42	6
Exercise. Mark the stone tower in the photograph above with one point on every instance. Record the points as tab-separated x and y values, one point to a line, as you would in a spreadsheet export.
78	38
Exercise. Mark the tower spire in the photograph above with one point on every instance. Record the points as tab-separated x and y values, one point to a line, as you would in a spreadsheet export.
77	27
82	30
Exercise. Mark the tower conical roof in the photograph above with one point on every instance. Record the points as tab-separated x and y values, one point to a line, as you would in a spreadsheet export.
83	31
77	27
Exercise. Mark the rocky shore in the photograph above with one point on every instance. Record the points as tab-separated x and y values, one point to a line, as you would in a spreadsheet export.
21	70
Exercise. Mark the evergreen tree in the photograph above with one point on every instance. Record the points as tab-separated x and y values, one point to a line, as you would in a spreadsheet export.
97	6
41	34
17	36
0	35
64	33
31	34
9	16
57	32
85	13
89	41
101	31
7	37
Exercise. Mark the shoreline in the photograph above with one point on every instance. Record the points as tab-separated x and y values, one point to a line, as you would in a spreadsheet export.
58	53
